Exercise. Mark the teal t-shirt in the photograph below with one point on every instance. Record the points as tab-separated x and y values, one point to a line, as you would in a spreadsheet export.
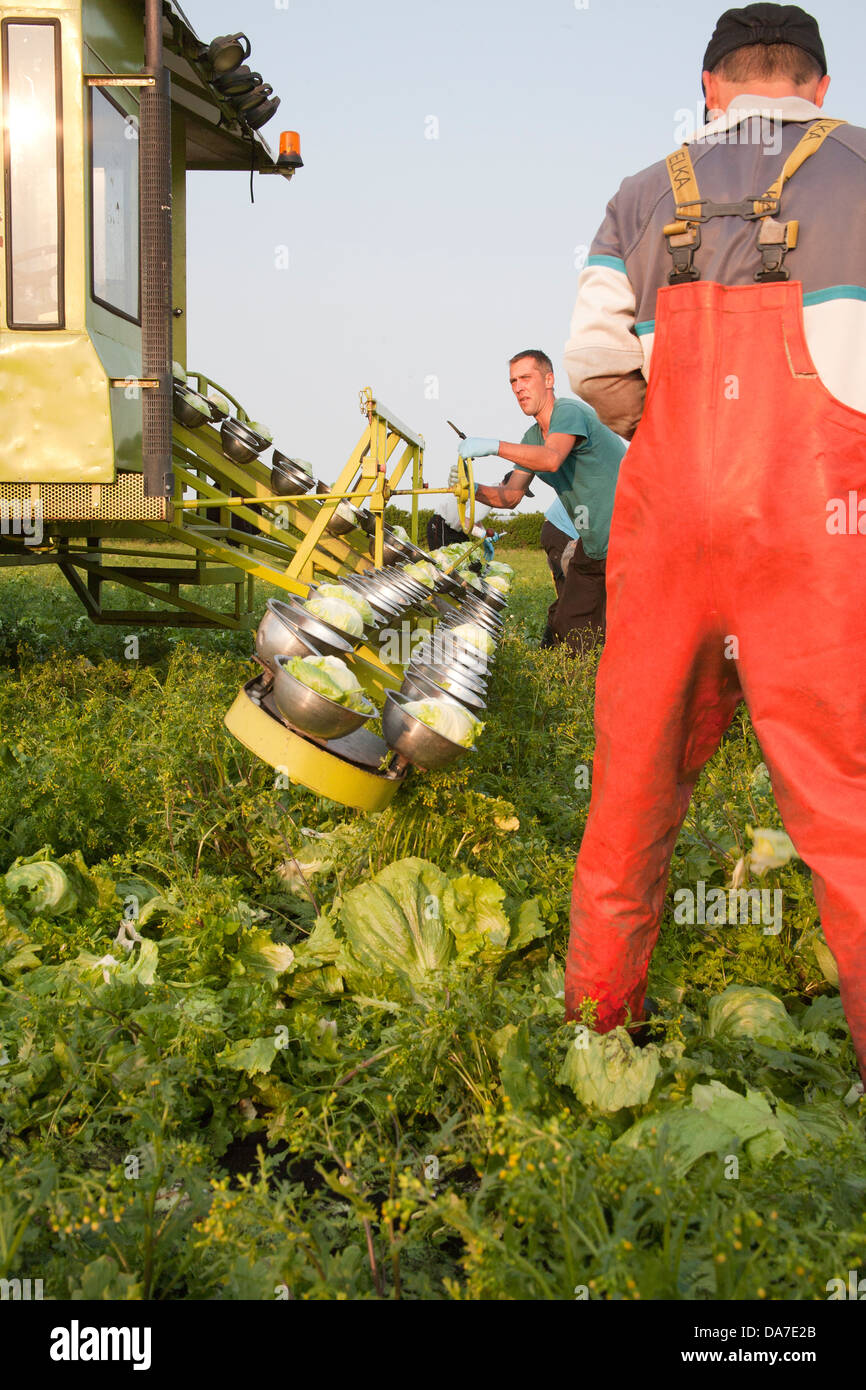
558	517
585	482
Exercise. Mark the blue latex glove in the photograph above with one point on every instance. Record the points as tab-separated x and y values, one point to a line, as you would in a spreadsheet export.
478	448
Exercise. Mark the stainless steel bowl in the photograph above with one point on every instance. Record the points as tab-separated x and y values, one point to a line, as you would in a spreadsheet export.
370	629
450	671
344	517
396	551
448	628
191	413
482	611
489	621
419	686
474	653
311	712
376	600
287	476
404	594
416	553
405	547
366	521
396	579
447	584
492	597
332	641
342	520
444	650
239	442
413	588
458	653
472	615
413	740
470	610
391	555
278	635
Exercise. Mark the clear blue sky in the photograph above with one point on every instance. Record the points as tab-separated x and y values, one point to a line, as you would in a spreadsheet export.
413	258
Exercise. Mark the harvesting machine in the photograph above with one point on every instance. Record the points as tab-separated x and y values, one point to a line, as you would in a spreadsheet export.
136	476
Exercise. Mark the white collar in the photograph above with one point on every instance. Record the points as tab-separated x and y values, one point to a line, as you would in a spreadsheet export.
745	105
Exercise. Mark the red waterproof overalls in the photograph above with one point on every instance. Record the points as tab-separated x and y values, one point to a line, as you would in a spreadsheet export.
721	510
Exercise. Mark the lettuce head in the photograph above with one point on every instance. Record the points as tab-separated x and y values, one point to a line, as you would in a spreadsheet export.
747	1011
423	573
448	718
474	636
49	891
344	594
607	1072
499	582
331	677
339	614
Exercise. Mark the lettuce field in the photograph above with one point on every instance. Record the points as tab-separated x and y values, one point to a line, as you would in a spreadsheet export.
256	1046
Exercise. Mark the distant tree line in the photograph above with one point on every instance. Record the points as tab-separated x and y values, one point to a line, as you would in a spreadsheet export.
522	530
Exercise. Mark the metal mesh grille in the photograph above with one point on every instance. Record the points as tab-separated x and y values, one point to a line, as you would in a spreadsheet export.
120	501
156	295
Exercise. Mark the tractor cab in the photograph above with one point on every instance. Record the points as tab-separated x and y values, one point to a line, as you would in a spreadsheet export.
130	469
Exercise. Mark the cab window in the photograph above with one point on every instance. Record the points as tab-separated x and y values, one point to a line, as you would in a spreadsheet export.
114	225
33	168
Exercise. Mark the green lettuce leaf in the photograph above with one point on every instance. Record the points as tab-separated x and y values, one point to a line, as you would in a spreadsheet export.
607	1072
308	671
422	572
747	1011
259	954
48	891
448	718
338	614
473	911
344	594
250	1055
394	930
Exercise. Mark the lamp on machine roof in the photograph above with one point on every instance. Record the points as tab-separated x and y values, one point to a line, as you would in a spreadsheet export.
264	109
290	151
227	52
238	81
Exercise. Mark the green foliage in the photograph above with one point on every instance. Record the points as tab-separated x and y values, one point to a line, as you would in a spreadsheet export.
522	531
517	531
276	1049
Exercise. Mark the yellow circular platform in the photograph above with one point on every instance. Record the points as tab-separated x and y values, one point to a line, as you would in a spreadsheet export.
344	770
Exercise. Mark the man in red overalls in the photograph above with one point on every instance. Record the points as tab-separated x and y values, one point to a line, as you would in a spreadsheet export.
724	307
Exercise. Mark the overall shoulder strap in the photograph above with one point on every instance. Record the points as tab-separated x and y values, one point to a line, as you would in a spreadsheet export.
684	235
806	147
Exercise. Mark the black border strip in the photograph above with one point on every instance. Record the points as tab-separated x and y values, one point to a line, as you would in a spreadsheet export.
7	180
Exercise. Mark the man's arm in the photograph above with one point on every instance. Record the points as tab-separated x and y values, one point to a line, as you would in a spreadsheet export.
603	356
538	458
617	400
504	498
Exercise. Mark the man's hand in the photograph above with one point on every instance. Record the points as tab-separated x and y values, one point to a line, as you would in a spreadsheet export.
478	448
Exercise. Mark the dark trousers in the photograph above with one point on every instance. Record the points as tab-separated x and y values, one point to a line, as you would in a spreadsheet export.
577	615
439	533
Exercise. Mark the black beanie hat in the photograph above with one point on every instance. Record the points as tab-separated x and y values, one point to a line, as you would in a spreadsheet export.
768	24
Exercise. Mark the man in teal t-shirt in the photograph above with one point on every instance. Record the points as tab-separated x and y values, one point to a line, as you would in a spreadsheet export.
569	448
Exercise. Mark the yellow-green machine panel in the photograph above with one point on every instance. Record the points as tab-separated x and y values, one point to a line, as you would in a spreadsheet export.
55	390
